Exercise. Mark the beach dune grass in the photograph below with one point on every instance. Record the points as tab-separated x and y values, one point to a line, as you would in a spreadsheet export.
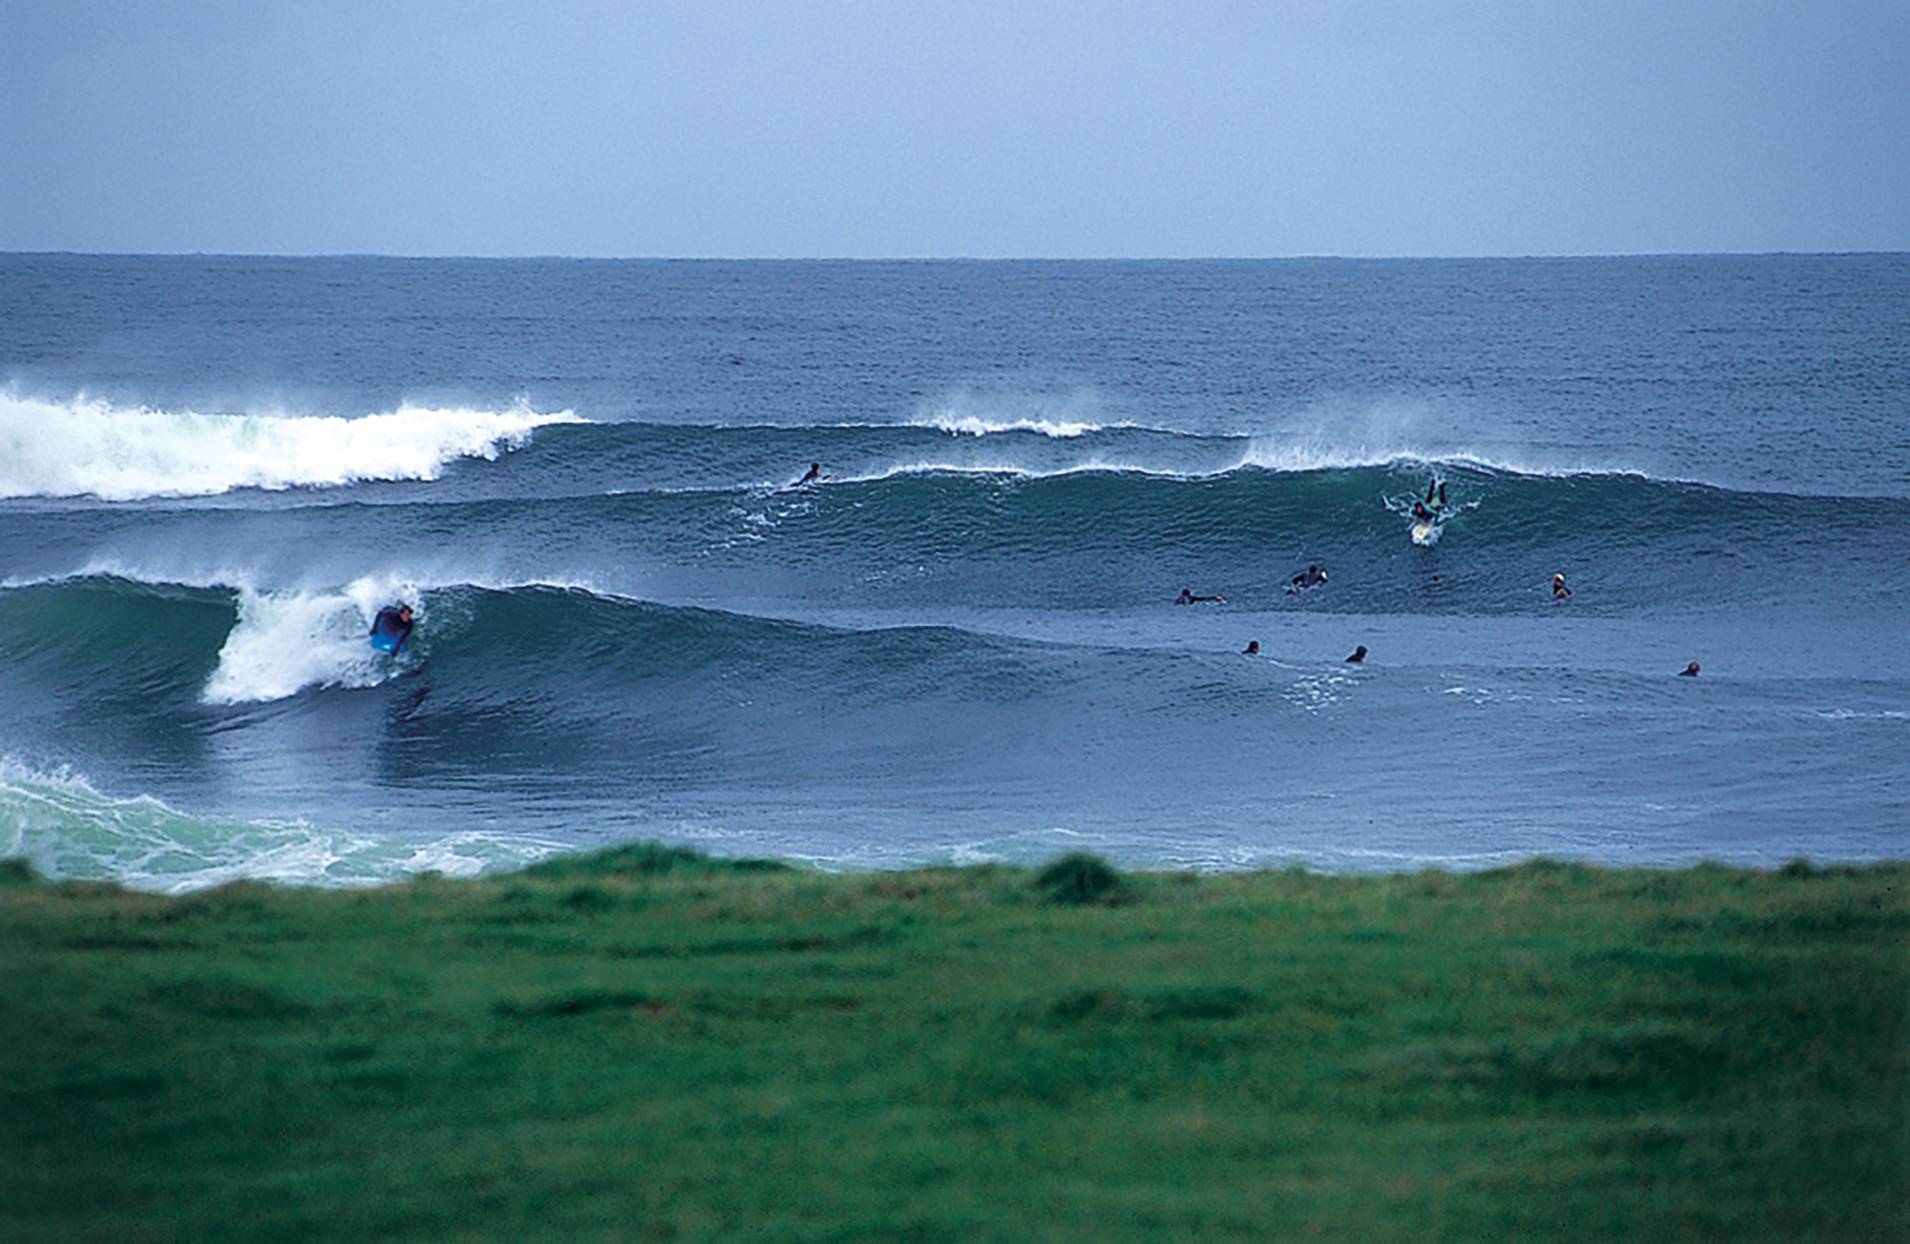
650	1044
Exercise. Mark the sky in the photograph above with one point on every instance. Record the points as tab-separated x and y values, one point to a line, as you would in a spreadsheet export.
962	129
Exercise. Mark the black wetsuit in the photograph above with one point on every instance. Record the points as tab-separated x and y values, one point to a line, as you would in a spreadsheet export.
390	625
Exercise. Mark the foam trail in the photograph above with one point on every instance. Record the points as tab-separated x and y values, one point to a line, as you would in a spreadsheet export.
87	447
67	829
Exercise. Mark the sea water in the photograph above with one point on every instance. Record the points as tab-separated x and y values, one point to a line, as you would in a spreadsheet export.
963	644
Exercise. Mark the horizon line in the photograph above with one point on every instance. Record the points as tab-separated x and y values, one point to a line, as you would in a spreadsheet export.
1507	256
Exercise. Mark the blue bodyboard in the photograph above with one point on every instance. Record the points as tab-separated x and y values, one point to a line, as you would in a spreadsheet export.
388	634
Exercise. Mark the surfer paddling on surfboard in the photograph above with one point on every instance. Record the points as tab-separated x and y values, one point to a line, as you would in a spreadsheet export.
1312	576
1429	515
1187	597
1434	506
391	628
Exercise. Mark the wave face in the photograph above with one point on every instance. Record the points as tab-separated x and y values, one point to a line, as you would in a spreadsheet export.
943	540
571	652
637	457
962	643
91	448
603	716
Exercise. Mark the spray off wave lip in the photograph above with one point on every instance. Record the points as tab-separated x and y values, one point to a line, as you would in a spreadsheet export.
84	447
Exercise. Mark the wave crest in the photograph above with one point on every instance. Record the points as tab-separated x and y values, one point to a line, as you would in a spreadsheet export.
83	446
976	425
1059	416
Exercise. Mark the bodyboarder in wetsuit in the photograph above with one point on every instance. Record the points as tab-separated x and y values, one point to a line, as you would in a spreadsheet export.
391	628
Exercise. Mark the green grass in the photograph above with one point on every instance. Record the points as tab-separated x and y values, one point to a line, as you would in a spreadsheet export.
650	1045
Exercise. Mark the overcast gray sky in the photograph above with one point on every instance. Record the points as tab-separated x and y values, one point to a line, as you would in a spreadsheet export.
975	128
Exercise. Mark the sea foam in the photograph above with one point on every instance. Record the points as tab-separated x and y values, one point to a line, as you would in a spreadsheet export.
287	641
69	829
977	425
84	447
1061	416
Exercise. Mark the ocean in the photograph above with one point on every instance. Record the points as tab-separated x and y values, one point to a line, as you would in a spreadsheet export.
963	644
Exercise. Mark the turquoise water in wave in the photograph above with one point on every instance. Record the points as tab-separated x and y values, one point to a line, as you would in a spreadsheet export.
964	644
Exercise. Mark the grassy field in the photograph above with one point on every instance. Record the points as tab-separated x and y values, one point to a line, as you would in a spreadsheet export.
645	1045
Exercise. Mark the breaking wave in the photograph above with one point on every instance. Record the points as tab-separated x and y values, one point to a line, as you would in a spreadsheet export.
85	447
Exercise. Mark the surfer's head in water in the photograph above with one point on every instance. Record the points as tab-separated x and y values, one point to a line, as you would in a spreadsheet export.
1421	513
1359	655
1689	671
1252	649
404	613
1559	590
